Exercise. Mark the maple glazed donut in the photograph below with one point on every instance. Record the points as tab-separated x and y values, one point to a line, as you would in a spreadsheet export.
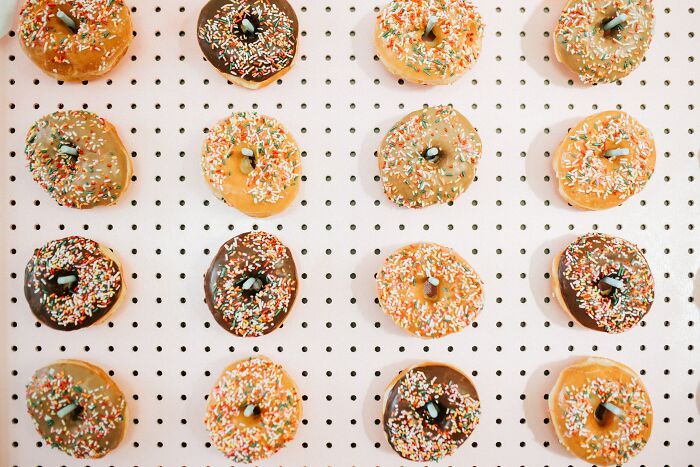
604	40
251	284
78	159
601	411
76	407
430	409
252	163
603	282
250	42
604	160
429	157
429	42
253	410
429	290
73	283
75	40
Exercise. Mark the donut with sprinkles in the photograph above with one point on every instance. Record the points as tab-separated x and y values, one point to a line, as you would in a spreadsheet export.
603	282
253	410
251	284
604	160
78	159
76	407
601	411
429	157
429	290
75	40
430	410
603	41
250	42
252	163
429	41
73	283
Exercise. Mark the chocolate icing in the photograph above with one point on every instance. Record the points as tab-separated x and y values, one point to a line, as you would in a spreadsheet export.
218	59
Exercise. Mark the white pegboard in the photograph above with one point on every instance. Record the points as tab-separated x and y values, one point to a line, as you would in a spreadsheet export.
166	350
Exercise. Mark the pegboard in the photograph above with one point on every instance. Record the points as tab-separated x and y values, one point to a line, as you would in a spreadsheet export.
165	350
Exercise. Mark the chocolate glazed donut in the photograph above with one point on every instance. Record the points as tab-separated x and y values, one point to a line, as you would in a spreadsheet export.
251	284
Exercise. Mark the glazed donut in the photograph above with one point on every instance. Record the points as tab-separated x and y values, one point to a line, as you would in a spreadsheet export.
250	42
429	157
78	159
251	284
73	283
604	160
253	411
601	411
603	282
430	409
252	163
428	42
77	408
75	40
603	41
429	290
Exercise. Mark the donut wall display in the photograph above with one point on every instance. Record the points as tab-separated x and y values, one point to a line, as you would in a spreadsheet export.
285	232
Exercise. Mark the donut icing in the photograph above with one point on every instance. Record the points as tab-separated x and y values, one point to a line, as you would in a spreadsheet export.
243	264
597	55
254	57
77	408
407	293
101	37
440	57
96	175
246	435
580	272
595	434
590	180
421	433
94	292
414	180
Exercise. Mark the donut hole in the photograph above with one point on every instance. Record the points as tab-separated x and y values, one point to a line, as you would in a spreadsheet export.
63	282
614	32
252	284
244	35
432	154
603	416
67	20
433	412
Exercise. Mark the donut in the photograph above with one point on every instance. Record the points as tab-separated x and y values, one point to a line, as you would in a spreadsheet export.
75	40
429	290
78	159
250	42
251	284
603	282
603	41
252	163
430	409
428	42
604	160
601	411
73	283
429	157
76	407
253	410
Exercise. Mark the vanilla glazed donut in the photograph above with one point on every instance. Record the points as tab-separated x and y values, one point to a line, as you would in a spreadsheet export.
429	157
601	411
603	41
430	410
251	284
73	283
75	40
252	163
250	42
429	290
253	410
429	41
78	159
76	407
604	160
603	282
